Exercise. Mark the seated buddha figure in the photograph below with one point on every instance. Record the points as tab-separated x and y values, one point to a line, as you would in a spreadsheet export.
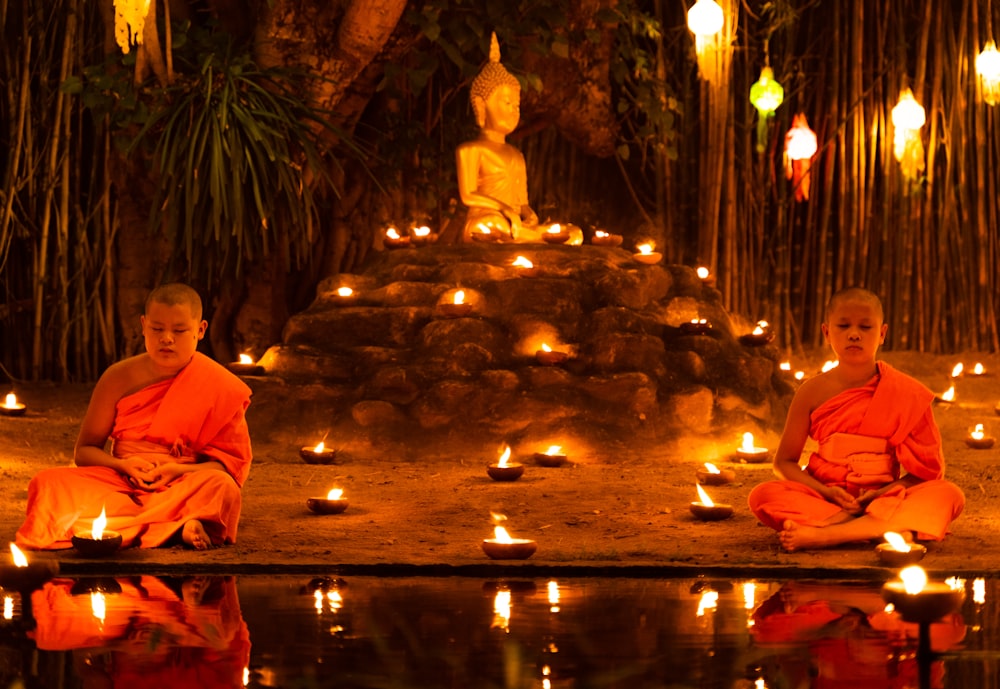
492	177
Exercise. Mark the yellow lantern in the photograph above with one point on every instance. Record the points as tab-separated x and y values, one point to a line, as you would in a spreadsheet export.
800	147
705	18
907	119
130	17
766	95
988	69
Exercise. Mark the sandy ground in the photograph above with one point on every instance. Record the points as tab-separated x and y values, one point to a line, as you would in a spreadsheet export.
615	509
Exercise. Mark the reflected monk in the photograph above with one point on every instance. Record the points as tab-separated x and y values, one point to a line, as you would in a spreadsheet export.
164	447
492	176
879	466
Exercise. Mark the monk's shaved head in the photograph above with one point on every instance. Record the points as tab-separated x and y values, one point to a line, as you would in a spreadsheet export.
176	294
854	294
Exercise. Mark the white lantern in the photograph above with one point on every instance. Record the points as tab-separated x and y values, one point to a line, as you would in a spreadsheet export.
705	18
988	69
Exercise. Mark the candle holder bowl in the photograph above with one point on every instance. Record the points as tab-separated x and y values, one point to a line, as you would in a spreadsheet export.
757	456
242	369
448	309
509	472
17	410
649	259
517	549
695	328
426	240
756	340
553	358
984	443
929	605
611	240
485	237
544	459
890	557
396	243
717	478
325	456
87	546
711	513
326	505
556	237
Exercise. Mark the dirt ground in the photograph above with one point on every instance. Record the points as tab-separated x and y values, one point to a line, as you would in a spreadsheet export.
614	508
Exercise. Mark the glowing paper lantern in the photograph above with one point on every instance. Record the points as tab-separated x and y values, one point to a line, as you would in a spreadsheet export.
705	18
988	69
766	95
907	119
800	147
130	18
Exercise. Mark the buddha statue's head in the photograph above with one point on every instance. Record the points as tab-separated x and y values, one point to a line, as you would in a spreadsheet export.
496	95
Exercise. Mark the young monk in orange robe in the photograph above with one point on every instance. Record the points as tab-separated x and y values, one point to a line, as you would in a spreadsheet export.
179	450
879	466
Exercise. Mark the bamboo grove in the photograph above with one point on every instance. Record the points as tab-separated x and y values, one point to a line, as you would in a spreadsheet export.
695	182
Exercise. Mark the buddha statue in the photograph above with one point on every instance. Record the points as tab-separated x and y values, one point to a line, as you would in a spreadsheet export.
492	177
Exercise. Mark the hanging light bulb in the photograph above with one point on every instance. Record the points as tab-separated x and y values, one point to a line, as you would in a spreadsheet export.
130	17
766	95
800	147
705	18
988	69
907	118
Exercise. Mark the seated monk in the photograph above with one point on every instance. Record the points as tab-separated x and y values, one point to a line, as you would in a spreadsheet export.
179	444
492	176
879	466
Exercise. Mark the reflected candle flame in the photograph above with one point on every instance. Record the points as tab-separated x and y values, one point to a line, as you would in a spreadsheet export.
501	610
553	596
97	605
97	530
957	370
335	494
8	607
504	456
703	497
335	600
749	591
897	542
914	579
709	601
979	590
19	558
318	601
459	297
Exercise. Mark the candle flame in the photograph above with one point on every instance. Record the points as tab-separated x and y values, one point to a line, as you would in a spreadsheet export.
459	297
8	607
483	228
97	605
97	530
391	233
949	394
702	272
749	594
522	262
785	366
334	600
699	321
246	359
914	579
601	233
319	447
799	375
422	231
10	401
318	601
830	365
897	542
501	610
344	291
501	535
19	558
711	468
747	445
504	456
979	590
335	494
978	369
978	433
709	601
957	370
554	450
555	228
546	348
554	596
645	248
703	497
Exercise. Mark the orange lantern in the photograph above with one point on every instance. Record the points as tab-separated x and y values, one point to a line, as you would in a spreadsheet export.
800	147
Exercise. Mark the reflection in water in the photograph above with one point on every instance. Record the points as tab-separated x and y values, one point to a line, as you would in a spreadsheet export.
450	633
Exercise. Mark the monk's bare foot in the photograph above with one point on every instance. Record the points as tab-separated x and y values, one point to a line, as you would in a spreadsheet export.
799	537
194	535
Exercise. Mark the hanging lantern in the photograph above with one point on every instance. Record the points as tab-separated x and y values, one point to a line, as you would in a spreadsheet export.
766	95
907	119
705	18
130	17
988	69
800	147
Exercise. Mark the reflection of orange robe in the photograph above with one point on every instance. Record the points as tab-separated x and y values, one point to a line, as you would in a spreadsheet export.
865	436
149	636
195	416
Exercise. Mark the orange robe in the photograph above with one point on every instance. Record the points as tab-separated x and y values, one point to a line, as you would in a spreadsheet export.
198	415
866	435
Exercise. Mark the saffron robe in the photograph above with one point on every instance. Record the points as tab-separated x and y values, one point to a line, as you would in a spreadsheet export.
866	436
196	416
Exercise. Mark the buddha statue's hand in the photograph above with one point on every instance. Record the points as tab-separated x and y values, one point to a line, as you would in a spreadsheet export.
514	218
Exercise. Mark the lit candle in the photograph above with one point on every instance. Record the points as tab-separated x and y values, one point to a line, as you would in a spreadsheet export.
11	407
344	292
394	240
503	547
696	326
760	335
98	542
645	254
245	366
708	511
549	357
552	457
711	475
318	453
978	369
555	234
422	236
957	370
602	238
23	575
785	366
454	307
485	233
829	365
333	503
504	469
918	600
553	588
525	265
978	440
948	396
748	452
896	552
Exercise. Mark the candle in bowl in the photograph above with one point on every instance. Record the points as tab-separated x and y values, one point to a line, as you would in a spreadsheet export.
333	503
525	267
978	440
978	370
705	275
394	240
98	541
918	600
552	457
23	575
760	335
485	233
711	475
504	469
503	547
708	511
457	307
946	397
896	552
11	407
645	254
345	293
422	236
749	453
602	238
318	454
246	366
696	326
555	234
546	356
